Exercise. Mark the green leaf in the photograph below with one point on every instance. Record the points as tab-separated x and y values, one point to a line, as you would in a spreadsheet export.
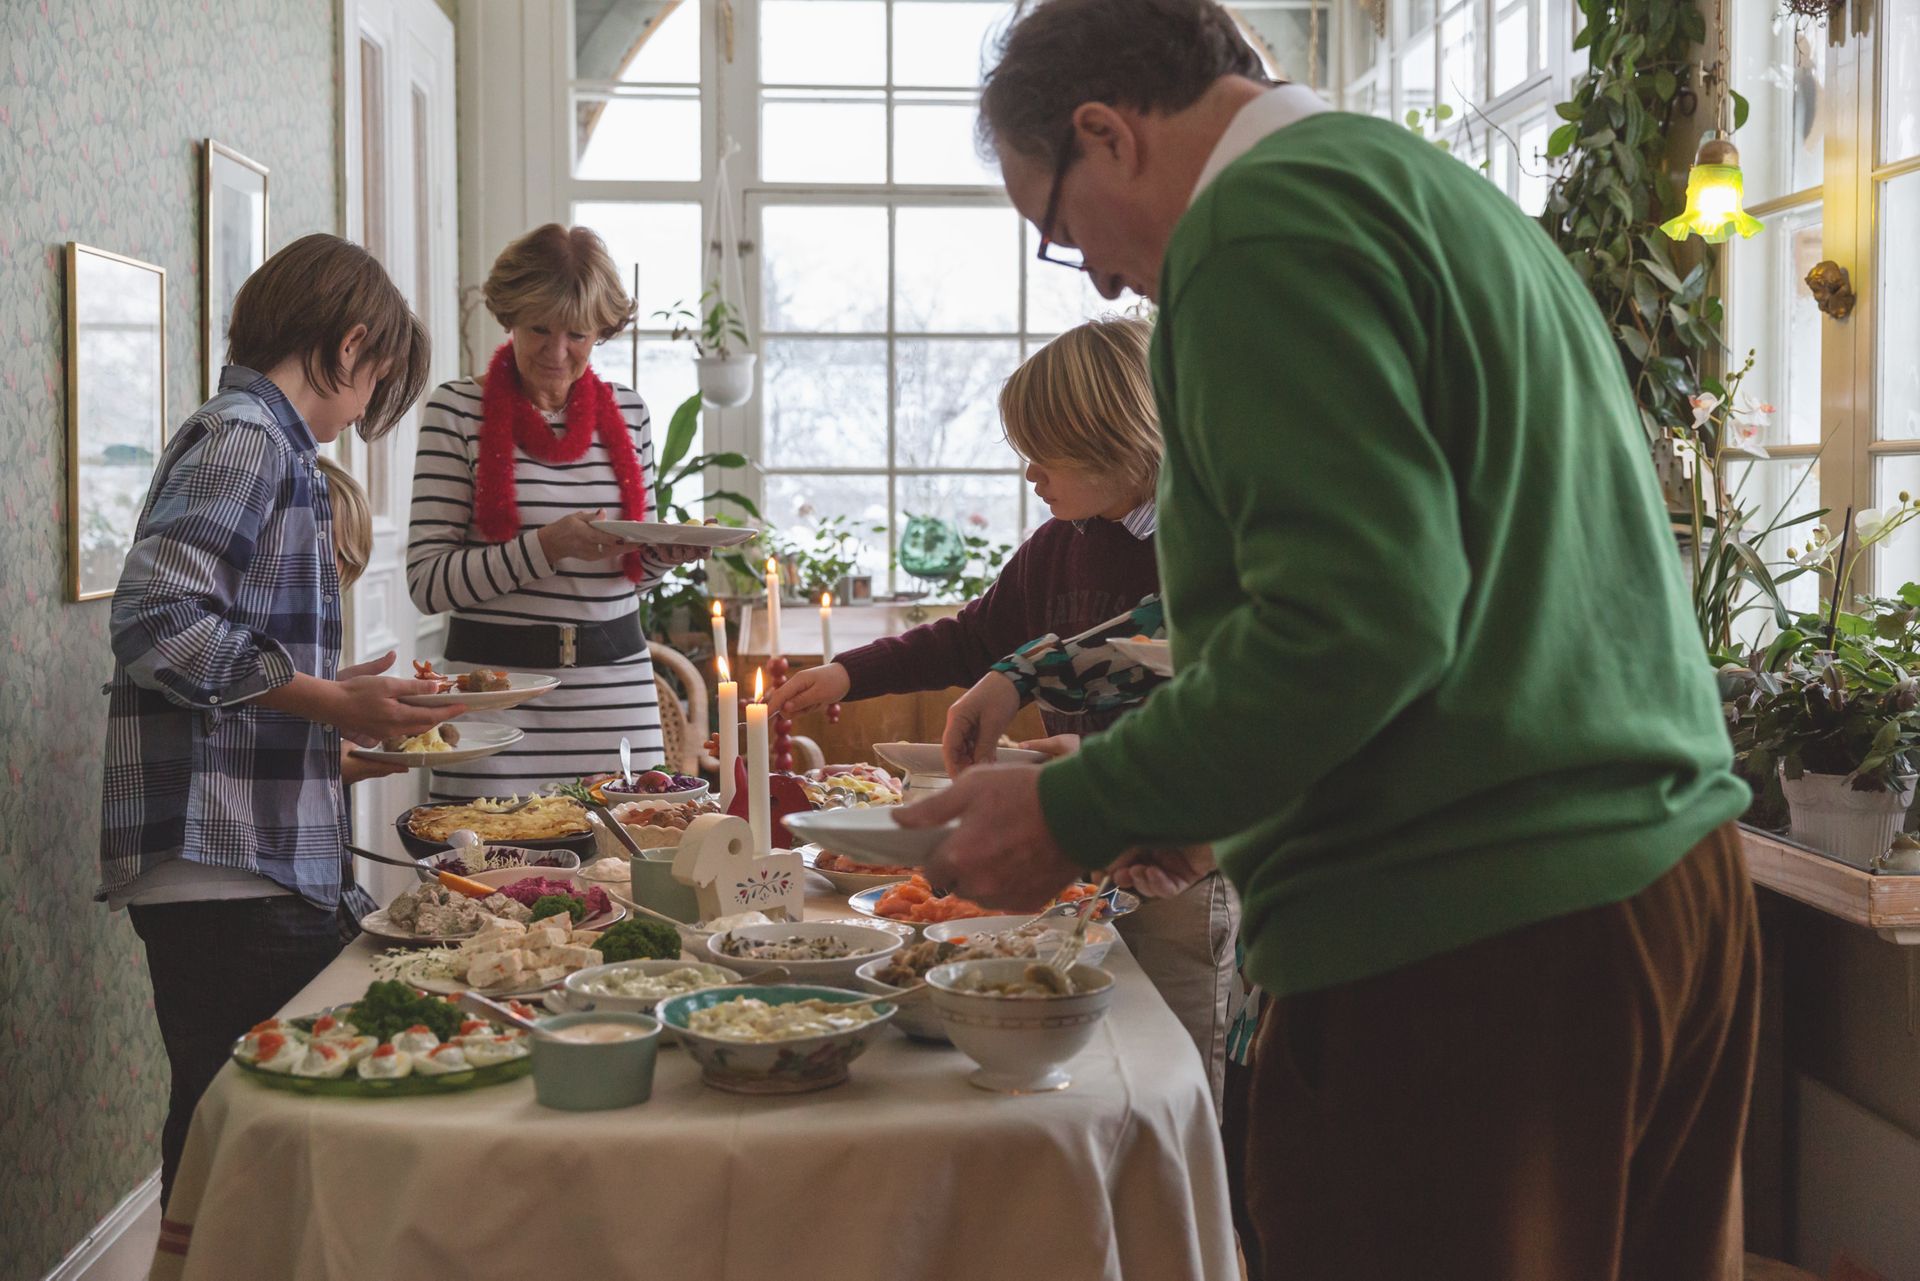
737	499
1740	108
1562	140
1570	110
1665	84
1443	112
1413	119
686	420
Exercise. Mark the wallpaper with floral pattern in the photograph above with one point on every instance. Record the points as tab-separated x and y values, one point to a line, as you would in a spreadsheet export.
103	105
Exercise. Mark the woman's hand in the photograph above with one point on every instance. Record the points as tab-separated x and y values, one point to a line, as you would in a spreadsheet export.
358	769
1153	872
806	690
976	721
1053	747
573	537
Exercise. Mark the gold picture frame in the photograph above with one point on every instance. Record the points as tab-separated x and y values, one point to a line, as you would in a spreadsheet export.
233	244
116	407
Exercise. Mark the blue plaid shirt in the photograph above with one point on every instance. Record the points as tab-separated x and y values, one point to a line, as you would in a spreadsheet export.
230	588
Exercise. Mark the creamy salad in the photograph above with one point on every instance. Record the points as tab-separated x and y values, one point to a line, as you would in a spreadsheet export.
639	984
748	1018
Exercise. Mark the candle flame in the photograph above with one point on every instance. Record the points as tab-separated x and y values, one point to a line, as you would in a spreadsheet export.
719	610
726	672
773	569
826	600
759	684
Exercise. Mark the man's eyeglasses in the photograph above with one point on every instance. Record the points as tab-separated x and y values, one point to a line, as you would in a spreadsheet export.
1050	252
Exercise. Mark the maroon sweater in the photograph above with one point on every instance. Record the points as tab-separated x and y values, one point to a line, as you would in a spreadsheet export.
1063	580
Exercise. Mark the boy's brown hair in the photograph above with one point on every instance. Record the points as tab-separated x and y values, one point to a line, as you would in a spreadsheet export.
306	299
1086	399
352	522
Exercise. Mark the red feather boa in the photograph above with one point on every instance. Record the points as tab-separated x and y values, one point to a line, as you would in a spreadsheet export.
508	419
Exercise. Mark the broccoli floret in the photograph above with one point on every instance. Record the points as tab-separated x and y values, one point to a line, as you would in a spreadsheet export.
554	904
639	941
389	1008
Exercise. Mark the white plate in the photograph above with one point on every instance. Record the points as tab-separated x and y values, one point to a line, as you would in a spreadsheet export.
477	739
1155	656
925	758
869	835
520	688
662	533
847	882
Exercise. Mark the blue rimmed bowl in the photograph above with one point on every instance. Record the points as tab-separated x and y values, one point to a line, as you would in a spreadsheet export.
794	1065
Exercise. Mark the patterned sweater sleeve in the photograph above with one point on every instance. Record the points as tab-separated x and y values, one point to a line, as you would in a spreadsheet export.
444	570
1088	674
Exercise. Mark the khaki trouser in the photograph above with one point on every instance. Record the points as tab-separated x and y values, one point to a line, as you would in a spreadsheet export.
1564	1102
1185	945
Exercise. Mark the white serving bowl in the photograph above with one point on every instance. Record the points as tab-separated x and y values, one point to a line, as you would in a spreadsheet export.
916	1017
792	1066
657	800
582	985
1098	943
1020	1043
874	944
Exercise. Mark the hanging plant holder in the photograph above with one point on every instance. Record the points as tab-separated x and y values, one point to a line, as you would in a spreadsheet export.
723	359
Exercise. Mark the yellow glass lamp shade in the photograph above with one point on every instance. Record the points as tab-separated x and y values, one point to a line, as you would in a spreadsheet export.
1715	193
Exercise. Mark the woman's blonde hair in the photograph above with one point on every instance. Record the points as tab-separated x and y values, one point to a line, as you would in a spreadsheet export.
557	275
1086	399
352	522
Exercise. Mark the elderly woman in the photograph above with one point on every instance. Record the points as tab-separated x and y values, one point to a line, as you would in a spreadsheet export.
512	471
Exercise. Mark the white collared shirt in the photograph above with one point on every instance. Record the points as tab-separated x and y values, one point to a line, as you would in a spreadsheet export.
1141	520
1271	112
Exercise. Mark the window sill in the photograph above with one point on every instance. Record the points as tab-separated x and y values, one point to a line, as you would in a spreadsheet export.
1888	905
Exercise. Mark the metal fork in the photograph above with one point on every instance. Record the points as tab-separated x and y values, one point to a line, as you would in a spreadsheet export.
1062	960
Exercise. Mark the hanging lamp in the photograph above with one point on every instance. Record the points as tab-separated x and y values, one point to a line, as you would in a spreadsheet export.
1716	189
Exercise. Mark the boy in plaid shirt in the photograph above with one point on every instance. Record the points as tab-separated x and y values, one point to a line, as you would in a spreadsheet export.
224	816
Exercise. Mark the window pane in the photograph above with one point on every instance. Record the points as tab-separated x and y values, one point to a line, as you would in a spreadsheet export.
1512	59
665	380
651	41
1533	171
826	402
1458	36
638	139
1059	298
613	359
1416	75
935	144
663	240
1292	44
1362	41
956	269
943	43
1900	89
823	141
1782	71
986	506
1774	314
1896	562
793	503
949	415
1370	99
823	268
823	42
1899	250
1419	14
1766	492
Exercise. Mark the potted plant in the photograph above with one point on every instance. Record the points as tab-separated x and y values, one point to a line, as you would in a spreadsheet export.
825	558
676	610
719	336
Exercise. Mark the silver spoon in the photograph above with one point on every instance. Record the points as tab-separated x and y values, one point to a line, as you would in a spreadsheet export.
474	1003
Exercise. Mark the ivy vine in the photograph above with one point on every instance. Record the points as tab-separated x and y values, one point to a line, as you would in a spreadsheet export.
1614	189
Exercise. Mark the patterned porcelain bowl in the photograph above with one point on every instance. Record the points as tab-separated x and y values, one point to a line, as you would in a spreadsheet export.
1020	1042
864	943
792	1066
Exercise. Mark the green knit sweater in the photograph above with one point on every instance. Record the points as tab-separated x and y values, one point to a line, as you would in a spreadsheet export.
1437	676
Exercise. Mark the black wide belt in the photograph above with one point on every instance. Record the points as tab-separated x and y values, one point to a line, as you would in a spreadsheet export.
543	645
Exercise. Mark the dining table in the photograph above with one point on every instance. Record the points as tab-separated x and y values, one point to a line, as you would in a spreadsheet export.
906	1172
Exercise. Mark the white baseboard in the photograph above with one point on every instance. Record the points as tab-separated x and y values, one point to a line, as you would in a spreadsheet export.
108	1230
1854	1180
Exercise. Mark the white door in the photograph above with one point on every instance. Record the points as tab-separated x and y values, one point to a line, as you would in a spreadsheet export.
400	204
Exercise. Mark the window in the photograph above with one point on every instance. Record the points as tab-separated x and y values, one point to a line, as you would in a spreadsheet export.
1831	153
1493	68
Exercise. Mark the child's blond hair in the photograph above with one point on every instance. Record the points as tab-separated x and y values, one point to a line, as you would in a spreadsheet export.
352	522
1086	399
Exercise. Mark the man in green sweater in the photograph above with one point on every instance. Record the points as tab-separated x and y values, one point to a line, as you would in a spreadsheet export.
1439	699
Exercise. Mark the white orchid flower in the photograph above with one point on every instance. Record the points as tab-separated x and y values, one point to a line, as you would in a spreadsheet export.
1819	547
1704	406
1871	524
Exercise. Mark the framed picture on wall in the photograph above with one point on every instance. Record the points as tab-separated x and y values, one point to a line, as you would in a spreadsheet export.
116	407
233	198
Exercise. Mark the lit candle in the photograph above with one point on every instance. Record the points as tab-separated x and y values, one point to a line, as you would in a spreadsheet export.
759	787
720	637
773	608
729	732
826	627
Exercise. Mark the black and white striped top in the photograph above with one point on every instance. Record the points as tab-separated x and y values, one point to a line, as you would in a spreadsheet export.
576	729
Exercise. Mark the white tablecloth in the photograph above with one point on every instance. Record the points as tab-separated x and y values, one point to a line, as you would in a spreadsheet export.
906	1173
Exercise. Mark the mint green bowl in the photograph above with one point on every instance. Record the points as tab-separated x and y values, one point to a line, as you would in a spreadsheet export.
591	1078
792	1066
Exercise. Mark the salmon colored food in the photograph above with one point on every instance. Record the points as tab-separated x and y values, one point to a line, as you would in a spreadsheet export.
913	901
830	862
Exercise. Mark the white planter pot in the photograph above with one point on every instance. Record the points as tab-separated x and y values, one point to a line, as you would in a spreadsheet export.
726	381
1852	826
